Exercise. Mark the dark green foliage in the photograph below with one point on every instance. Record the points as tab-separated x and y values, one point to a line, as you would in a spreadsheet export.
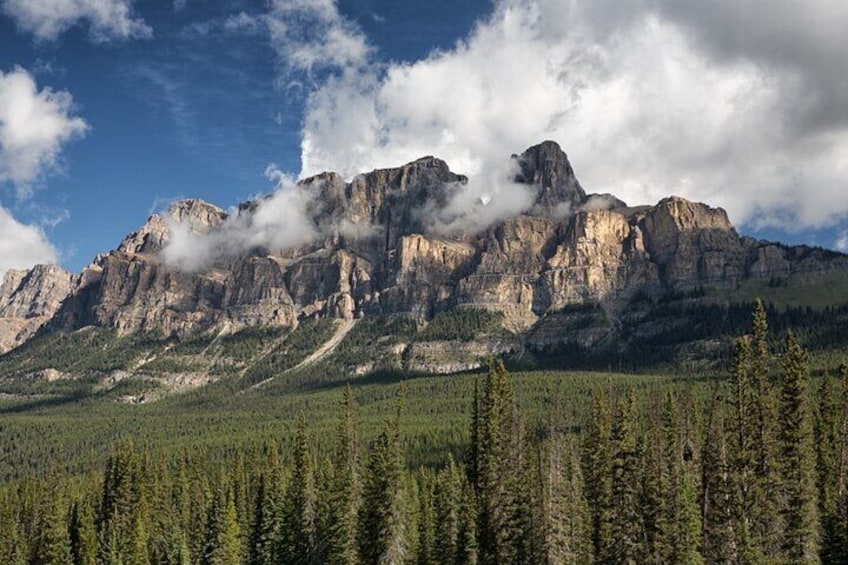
462	324
797	459
626	469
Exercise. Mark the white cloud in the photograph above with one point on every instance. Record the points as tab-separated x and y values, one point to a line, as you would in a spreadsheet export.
280	221
644	96
34	126
311	35
21	245
48	19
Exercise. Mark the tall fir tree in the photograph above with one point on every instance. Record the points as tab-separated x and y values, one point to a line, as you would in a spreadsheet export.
298	544
598	461
627	528
346	496
718	490
764	509
383	535
797	459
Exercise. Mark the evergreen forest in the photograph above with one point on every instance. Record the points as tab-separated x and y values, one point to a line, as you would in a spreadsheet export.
747	468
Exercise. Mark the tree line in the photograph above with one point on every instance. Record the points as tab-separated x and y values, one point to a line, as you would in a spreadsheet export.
756	474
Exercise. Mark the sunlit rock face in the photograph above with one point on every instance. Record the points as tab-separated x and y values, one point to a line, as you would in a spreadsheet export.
371	251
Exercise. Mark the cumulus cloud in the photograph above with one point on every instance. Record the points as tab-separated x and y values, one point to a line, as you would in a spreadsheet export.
710	100
279	221
48	19
22	245
34	126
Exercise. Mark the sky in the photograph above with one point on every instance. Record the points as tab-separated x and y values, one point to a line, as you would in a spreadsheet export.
111	109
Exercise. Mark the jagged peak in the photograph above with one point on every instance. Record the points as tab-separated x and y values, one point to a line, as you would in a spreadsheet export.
547	166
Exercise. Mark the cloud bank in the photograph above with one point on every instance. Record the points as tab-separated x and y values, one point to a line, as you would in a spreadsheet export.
48	19
714	101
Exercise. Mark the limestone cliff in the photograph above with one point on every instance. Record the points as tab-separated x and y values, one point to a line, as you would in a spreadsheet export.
374	255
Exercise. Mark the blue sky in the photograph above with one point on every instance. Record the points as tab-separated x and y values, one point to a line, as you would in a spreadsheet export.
133	104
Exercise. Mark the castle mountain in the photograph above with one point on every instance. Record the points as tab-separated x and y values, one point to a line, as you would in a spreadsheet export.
372	249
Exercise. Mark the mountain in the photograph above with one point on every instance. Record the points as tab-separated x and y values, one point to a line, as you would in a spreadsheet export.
572	270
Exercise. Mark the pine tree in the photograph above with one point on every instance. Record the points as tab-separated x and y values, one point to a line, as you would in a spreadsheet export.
764	510
447	502
13	549
598	457
426	520
564	519
383	538
496	459
800	543
826	431
54	544
223	537
466	542
343	521
299	519
719	493
83	535
265	530
626	523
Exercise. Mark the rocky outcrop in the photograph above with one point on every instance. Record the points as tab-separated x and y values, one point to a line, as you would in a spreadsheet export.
375	255
28	300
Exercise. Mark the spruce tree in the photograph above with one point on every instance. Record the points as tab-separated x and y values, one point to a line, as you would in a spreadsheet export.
827	439
265	530
598	457
447	501
83	535
626	527
383	538
299	520
346	497
797	460
764	509
719	493
54	544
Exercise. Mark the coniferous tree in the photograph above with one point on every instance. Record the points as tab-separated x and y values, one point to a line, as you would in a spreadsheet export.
598	457
467	546
764	508
447	502
299	519
565	520
626	525
383	537
826	432
496	460
265	530
83	535
13	549
343	520
54	544
797	460
223	537
719	493
426	520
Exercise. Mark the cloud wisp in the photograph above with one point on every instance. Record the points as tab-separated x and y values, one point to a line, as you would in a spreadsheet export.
279	221
107	20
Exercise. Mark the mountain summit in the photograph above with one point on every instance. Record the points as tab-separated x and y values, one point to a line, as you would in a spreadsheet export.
368	251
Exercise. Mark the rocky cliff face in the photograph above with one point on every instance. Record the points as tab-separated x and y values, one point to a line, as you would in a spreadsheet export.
375	256
29	299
